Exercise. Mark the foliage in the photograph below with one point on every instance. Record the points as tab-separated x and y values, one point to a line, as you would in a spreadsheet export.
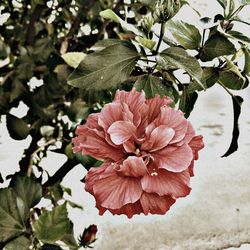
81	52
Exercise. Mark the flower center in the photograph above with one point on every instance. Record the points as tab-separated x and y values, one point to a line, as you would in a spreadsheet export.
137	152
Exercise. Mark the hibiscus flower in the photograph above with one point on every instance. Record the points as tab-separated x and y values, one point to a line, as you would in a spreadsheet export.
148	149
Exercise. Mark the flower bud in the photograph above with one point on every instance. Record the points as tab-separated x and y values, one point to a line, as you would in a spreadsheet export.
88	237
166	9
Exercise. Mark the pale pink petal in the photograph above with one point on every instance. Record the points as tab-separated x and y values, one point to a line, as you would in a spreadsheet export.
173	119
163	182
127	115
155	204
133	166
196	144
190	133
155	105
158	139
115	191
175	159
121	131
133	99
110	113
128	209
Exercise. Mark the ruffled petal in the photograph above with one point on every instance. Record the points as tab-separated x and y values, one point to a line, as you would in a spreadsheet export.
129	146
93	175
133	99
93	143
115	191
164	182
196	144
133	166
110	113
155	204
173	119
121	131
129	209
158	139
155	105
175	159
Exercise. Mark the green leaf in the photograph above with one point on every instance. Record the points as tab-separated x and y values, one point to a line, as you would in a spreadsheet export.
73	59
232	81
185	34
217	45
178	58
210	76
231	7
51	226
237	101
27	189
86	160
152	86
106	68
18	128
223	3
12	215
244	2
145	42
21	242
110	14
246	70
187	101
238	35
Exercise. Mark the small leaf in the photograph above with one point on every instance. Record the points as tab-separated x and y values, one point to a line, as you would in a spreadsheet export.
244	2
110	14
26	188
246	70
230	80
185	34
178	58
231	7
152	86
217	45
51	226
18	128
210	76
22	242
12	222
106	68
145	42
187	101
86	160
238	35
73	59
237	101
223	3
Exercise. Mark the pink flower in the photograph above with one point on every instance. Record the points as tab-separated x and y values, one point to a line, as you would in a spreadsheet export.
148	149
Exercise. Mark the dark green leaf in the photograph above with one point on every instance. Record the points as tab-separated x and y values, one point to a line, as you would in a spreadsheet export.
223	3
238	35
178	58
50	247
26	188
56	192
152	86
187	101
51	226
18	128
217	45
210	76
237	101
185	34
230	80
86	160
106	68
12	215
246	70
20	243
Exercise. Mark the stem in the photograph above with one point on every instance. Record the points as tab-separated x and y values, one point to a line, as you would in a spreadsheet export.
203	37
163	26
147	60
61	172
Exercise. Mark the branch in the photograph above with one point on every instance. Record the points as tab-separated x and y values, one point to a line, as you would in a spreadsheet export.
61	172
30	36
83	10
